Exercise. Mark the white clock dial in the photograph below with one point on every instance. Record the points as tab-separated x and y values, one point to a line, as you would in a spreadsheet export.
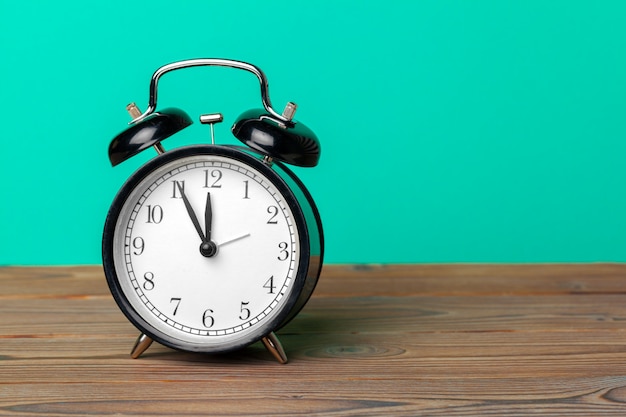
207	251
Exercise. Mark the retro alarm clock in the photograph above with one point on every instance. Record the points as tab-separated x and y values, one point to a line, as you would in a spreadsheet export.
210	248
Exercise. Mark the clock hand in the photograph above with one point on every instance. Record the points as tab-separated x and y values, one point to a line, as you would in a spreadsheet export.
208	215
208	248
191	213
233	240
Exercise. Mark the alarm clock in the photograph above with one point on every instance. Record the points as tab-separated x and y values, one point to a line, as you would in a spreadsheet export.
210	248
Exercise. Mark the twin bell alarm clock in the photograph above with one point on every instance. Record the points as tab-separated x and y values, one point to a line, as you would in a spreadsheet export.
209	248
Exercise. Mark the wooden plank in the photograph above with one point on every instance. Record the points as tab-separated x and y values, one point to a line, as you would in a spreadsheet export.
403	340
472	279
51	282
355	280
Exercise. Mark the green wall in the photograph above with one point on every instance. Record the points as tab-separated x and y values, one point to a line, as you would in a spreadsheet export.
452	131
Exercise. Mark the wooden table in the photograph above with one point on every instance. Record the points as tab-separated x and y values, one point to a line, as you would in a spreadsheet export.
449	340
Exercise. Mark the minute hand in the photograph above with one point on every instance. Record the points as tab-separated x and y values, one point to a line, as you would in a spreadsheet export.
208	215
191	213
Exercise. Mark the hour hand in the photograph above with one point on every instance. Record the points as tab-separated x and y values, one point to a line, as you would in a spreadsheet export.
190	211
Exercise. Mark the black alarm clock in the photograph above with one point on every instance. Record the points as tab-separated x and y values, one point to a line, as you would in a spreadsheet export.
209	248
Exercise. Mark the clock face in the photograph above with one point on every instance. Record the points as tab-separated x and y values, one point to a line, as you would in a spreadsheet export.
206	251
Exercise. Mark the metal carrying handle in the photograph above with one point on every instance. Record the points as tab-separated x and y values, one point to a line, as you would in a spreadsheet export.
209	62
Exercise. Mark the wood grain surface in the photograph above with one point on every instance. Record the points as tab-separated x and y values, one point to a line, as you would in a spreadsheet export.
406	340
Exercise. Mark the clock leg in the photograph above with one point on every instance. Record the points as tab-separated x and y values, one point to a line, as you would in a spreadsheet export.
272	344
143	342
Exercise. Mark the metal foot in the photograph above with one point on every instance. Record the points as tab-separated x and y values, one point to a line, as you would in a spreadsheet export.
272	344
143	342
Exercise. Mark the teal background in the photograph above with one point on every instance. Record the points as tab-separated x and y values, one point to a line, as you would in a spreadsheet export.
452	131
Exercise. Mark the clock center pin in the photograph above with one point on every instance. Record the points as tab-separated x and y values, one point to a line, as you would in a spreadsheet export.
208	249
